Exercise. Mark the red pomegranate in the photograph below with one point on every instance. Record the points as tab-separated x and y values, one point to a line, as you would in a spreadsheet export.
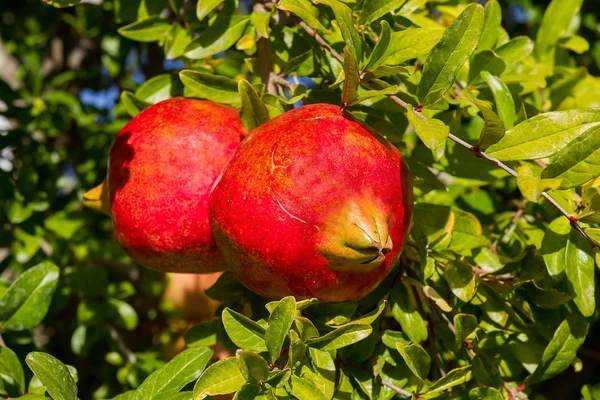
161	168
312	205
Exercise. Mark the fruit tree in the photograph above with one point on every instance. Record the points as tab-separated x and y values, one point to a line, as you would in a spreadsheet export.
299	199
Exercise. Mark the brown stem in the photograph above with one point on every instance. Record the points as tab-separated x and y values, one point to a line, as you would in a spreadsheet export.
475	150
398	390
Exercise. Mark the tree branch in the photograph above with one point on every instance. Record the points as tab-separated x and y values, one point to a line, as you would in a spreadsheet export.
474	149
398	390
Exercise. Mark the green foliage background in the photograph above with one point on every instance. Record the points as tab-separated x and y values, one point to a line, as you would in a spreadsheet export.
494	291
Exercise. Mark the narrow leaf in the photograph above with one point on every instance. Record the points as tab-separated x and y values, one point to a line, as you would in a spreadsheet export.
11	370
491	25
306	11
555	23
416	359
280	322
545	134
303	389
53	374
351	81
530	184
493	130
503	98
151	29
515	50
220	36
404	312
244	332
464	325
186	367
341	337
379	52
485	60
456	377
222	377
254	111
211	87
252	366
461	279
370	94
345	20
449	55
562	349
27	299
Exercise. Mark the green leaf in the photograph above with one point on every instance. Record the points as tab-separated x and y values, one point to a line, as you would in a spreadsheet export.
351	80
244	332
575	43
544	135
206	6
303	389
503	98
122	313
578	162
380	50
404	312
416	359
345	20
461	279
487	393
306	328
204	334
324	373
449	55
28	298
278	379
280	322
177	41
370	94
464	325
432	132
554	246
254	112
485	60
222	377
173	376
61	3
220	36
11	370
252	366
562	349
411	43
261	21
296	351
211	87
151	29
53	374
493	130
157	88
368	318
515	50
133	104
579	265
375	9
530	184
305	11
341	337
491	25
456	377
555	23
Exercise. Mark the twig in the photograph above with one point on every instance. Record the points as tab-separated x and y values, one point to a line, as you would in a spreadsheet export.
474	149
116	336
398	390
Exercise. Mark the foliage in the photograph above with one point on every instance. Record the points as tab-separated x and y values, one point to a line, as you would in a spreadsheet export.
495	291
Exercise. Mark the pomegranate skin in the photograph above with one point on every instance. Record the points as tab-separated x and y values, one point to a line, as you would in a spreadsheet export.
287	209
161	168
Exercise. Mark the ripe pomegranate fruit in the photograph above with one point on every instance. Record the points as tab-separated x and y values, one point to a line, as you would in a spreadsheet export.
312	205
161	168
